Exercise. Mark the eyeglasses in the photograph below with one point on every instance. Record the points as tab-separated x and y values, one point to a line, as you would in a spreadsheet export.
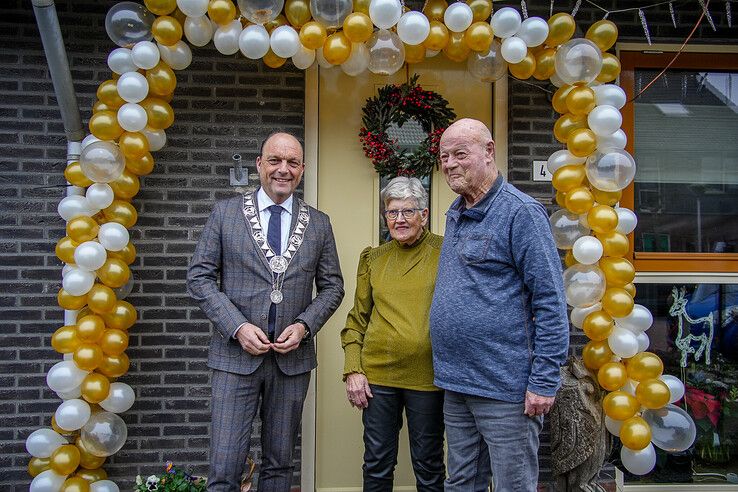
408	213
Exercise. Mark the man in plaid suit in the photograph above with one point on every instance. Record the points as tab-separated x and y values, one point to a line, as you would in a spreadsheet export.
252	275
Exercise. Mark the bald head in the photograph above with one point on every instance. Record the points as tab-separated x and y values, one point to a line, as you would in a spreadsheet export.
473	129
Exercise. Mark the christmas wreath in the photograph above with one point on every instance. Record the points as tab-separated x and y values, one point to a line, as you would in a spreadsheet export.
397	104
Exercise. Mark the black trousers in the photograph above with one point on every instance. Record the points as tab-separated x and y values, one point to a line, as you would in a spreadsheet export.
382	423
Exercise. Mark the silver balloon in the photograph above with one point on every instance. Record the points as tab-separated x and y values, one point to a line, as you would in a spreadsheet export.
125	290
672	429
611	170
487	67
127	23
261	11
584	285
386	52
104	434
102	162
566	228
578	61
331	13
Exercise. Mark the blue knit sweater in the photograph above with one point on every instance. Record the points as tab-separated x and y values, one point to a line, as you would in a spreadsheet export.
499	324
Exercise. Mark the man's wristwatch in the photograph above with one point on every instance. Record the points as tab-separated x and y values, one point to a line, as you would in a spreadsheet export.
307	335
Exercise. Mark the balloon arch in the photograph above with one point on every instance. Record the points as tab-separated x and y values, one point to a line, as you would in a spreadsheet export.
131	115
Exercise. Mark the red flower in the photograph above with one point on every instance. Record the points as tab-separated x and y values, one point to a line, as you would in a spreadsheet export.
702	404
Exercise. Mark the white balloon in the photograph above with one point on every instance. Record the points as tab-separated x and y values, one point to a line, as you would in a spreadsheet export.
104	486
99	195
676	387
321	59
458	17
623	342
304	58
506	22
113	237
604	120
617	140
385	13
254	41
627	220
74	206
578	314
193	8
120	61
73	393
556	80
178	56
47	481
132	117
638	320
42	442
638	462
513	50
132	87
72	414
358	61
157	138
145	55
198	30
78	282
91	255
88	140
643	341
609	94
534	31
613	426
587	250
413	27
562	158
285	41
119	399
227	38
66	269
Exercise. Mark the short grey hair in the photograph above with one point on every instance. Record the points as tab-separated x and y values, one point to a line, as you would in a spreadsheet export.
403	188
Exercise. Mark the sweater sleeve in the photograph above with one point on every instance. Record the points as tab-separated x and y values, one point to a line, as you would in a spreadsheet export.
352	336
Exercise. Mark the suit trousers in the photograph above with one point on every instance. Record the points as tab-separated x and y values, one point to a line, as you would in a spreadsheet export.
235	400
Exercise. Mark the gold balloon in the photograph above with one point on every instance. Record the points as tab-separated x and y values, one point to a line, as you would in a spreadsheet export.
140	166
612	376
653	393
85	311
280	20
545	67
122	212
580	100
610	68
64	432
122	317
337	48
481	9
166	30
645	365
88	461
107	93
73	173
437	36
596	354
160	7
88	356
75	484
617	302
126	185
90	328
602	218
560	199
101	106
598	325
313	35
101	299
561	28
65	339
114	273
525	68
134	145
607	197
65	249
37	465
357	27
271	60
567	123
160	113
298	13
618	271
161	80
569	259
221	11
456	49
95	387
65	459
579	200
566	178
82	229
620	405
630	289
414	53
68	301
114	341
104	125
635	433
614	243
114	366
479	36
581	142
362	6
559	99
92	475
603	33
127	254
434	10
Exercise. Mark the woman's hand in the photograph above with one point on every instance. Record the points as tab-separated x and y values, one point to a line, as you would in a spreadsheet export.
357	390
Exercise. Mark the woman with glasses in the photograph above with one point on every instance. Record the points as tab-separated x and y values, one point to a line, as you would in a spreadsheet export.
386	341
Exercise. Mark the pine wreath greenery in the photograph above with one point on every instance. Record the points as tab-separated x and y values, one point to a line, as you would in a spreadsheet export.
397	104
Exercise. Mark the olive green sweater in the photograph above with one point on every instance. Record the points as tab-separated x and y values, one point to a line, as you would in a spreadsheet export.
387	332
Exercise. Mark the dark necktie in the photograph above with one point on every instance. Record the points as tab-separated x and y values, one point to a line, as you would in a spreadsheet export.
274	238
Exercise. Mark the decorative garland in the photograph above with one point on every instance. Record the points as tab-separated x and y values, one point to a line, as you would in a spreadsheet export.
397	104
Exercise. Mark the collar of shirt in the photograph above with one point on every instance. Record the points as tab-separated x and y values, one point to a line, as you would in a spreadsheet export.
479	210
265	201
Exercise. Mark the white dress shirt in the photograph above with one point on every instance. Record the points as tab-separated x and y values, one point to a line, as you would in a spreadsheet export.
264	203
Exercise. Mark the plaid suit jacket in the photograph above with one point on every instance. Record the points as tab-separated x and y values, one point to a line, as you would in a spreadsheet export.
231	281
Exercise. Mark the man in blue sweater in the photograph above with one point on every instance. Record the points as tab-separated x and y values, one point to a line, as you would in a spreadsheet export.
499	326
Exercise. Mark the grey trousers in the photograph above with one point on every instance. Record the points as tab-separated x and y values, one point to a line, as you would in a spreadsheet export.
490	439
235	400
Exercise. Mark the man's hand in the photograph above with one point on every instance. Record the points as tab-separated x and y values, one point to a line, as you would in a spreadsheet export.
290	338
537	404
357	390
252	339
